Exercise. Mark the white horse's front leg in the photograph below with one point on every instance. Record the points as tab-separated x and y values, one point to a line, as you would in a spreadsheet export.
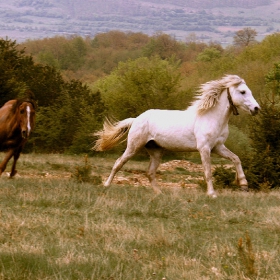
223	151
206	162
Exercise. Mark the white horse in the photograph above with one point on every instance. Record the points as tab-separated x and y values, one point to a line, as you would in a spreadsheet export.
201	127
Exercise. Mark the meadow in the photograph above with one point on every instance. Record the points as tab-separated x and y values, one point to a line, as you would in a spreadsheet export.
59	222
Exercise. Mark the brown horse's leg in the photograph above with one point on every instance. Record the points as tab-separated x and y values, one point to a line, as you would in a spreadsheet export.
16	156
7	157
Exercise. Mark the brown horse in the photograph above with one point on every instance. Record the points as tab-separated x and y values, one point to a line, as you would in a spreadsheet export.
17	120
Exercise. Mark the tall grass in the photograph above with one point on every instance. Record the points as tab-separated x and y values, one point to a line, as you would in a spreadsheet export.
53	227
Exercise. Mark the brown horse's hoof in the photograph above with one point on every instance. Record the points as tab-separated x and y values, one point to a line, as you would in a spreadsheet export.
13	174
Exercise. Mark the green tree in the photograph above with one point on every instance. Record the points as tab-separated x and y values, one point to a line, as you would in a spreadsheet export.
90	119
48	58
73	55
13	63
67	125
62	105
164	46
138	85
209	54
19	72
264	167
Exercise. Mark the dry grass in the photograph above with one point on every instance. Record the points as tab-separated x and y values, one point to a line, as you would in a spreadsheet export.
53	227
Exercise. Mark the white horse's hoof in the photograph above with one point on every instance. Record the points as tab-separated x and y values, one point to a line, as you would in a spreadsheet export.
213	195
244	188
157	191
106	184
242	182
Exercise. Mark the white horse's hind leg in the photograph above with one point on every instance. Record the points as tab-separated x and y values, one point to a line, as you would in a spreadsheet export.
134	144
206	162
155	158
223	151
118	165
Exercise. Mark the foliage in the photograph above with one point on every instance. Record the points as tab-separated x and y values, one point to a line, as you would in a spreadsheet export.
19	73
89	119
13	67
164	46
265	164
245	37
239	142
224	177
78	81
83	173
136	86
247	255
120	40
97	55
209	54
68	112
68	124
264	168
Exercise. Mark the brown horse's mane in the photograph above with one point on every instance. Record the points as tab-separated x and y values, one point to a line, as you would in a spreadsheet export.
19	101
28	100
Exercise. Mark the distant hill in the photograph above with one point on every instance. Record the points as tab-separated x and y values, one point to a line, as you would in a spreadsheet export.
215	20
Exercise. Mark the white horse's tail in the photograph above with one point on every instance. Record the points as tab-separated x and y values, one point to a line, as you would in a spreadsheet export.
111	134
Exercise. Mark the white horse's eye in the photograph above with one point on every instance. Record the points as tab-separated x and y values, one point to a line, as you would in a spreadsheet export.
242	91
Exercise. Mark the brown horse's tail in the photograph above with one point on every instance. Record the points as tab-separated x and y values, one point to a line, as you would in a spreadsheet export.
112	134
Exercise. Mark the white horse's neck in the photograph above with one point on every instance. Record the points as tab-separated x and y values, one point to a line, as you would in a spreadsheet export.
222	109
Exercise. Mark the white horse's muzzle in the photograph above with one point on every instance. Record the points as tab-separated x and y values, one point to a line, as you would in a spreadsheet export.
255	111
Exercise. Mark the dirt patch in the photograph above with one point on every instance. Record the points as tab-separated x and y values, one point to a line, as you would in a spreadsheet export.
139	178
190	166
189	179
50	175
174	173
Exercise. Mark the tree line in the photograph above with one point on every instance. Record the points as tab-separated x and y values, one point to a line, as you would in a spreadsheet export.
78	81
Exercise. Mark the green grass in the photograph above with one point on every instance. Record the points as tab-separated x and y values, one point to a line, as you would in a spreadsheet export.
53	227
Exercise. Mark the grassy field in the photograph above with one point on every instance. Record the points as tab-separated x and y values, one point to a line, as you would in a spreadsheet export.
55	227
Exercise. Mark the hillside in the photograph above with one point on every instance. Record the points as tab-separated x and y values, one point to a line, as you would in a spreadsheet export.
210	19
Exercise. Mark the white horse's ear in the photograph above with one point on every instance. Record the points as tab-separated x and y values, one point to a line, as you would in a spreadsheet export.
232	81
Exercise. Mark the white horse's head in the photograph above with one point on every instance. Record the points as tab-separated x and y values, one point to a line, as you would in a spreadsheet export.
239	95
242	98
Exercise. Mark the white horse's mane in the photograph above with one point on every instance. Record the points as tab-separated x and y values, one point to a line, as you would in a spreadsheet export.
208	94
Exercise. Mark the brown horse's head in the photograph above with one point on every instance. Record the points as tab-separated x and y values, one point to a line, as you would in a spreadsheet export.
26	115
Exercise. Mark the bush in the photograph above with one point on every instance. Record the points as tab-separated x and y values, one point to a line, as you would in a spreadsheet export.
224	177
138	85
83	173
239	143
264	167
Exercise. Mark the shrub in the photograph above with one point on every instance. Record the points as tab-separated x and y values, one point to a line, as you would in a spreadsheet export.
224	177
264	167
83	173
